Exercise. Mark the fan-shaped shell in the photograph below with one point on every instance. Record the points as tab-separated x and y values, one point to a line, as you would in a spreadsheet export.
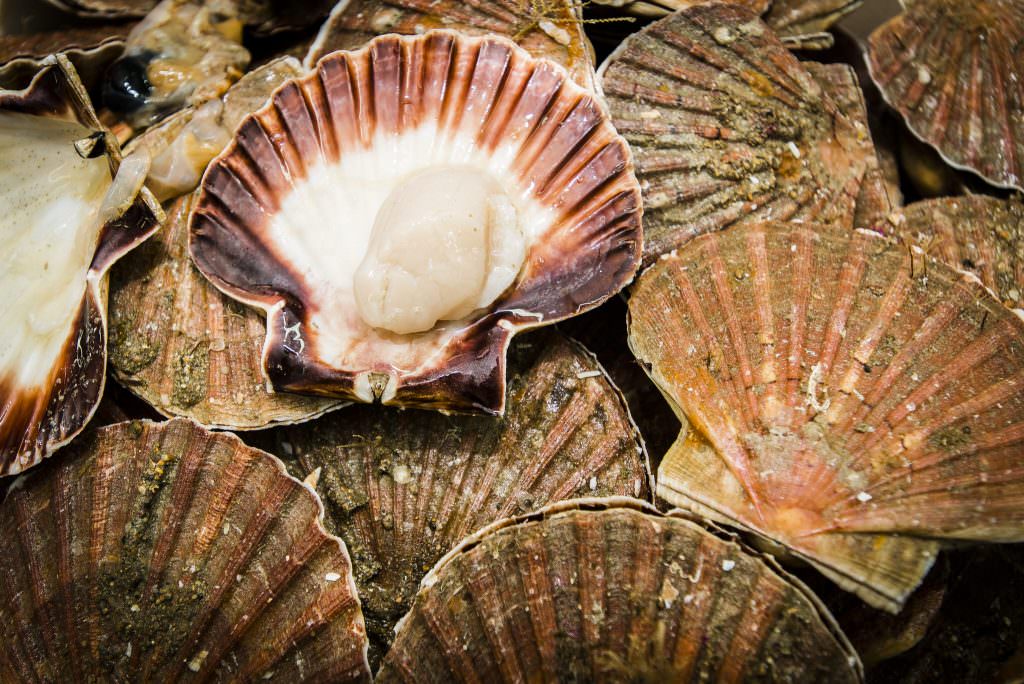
89	49
849	399
66	220
402	488
727	127
978	234
952	70
608	590
545	28
264	233
265	16
162	552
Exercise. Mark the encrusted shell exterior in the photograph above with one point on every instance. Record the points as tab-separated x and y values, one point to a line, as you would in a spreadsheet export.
161	552
563	152
545	28
728	128
403	487
37	421
978	234
609	590
89	49
264	16
178	342
953	71
186	348
849	399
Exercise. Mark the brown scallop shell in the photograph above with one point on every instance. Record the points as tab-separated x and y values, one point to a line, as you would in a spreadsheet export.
161	552
551	29
727	127
609	590
263	16
403	487
558	148
850	400
38	420
90	49
953	70
978	234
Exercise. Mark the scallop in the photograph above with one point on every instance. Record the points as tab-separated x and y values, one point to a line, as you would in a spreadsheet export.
552	29
403	487
160	552
800	23
609	590
978	234
729	128
71	209
851	402
402	211
181	53
90	50
952	70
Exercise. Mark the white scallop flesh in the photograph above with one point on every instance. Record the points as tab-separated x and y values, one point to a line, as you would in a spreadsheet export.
52	200
324	227
445	242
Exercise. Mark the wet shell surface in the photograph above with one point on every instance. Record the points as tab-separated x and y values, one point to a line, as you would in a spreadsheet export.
978	234
953	71
850	401
545	28
264	16
71	210
161	552
186	348
727	127
402	488
278	225
609	590
89	49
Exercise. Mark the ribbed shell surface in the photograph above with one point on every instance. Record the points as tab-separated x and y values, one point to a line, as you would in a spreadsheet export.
90	49
611	591
402	488
159	552
955	72
727	128
486	99
978	234
545	28
36	421
849	399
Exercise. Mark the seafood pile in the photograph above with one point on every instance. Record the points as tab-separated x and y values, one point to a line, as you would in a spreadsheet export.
276	405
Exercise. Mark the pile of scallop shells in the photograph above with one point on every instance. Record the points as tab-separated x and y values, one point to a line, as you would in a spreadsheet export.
274	408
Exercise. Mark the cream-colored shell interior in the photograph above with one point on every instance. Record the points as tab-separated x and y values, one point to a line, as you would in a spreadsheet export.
52	201
323	230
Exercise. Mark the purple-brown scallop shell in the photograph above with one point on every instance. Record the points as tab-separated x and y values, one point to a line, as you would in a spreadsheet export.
90	49
850	400
953	70
71	209
978	234
551	29
403	487
610	590
727	127
285	213
160	552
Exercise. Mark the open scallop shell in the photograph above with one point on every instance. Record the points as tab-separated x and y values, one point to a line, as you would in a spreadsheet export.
162	552
610	590
848	399
89	49
953	71
402	488
727	127
979	234
66	220
397	106
545	28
